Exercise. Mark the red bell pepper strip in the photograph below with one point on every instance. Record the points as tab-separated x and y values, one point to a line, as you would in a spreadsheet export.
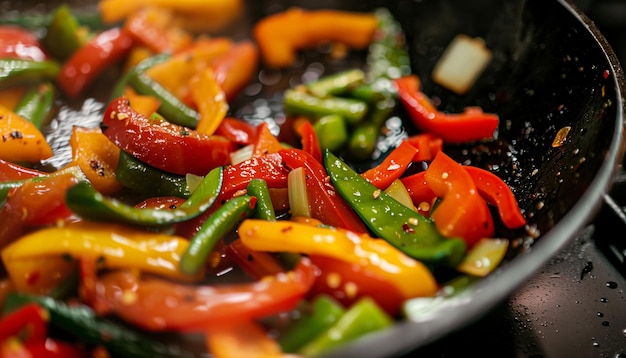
17	42
495	191
325	203
427	144
147	303
237	131
54	348
347	283
462	212
308	137
166	146
234	69
392	167
257	264
30	318
12	171
421	194
268	167
82	68
471	125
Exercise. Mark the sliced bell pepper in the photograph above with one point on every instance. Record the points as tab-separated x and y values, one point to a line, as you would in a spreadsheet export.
266	142
427	144
324	203
199	307
97	157
235	68
268	167
462	212
471	125
21	140
309	139
210	100
11	96
152	27
17	42
164	145
244	339
143	104
37	104
496	192
87	63
281	35
17	72
256	264
421	194
410	277
237	131
30	319
12	171
392	167
408	231
115	245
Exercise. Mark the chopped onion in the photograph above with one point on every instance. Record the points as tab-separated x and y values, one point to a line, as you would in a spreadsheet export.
463	61
242	154
398	191
296	186
193	181
484	257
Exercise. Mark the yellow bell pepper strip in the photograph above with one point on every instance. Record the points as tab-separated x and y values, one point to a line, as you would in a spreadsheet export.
41	275
214	13
280	36
244	339
21	140
163	145
147	303
210	101
462	212
411	277
97	157
116	245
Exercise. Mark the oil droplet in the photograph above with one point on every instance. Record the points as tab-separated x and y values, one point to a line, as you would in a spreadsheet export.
587	269
596	344
600	314
606	323
604	299
611	284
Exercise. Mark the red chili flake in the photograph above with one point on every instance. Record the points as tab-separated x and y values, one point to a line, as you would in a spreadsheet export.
408	229
253	202
287	229
33	278
605	74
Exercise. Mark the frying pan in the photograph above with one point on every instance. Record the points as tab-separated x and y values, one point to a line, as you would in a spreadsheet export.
551	68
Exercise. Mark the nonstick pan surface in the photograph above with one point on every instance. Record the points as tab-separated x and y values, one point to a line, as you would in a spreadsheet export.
551	68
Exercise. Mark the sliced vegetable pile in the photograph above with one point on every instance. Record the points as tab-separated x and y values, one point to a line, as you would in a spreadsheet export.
175	216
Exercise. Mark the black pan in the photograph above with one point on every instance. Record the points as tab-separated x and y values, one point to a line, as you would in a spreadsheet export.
551	68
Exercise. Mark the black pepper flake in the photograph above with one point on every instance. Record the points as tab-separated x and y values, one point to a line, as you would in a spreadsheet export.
184	131
250	257
173	206
103	127
17	135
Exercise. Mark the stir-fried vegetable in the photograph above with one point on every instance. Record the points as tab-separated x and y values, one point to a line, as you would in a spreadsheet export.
175	215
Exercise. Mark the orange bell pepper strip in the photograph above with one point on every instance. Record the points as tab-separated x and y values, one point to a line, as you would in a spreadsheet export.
146	105
9	97
462	212
411	277
210	101
280	36
152	27
21	140
266	142
235	68
244	339
97	157
427	144
176	73
392	167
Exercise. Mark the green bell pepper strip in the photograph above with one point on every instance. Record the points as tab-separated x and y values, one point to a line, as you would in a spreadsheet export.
88	203
15	71
82	322
362	318
264	208
36	104
172	108
141	67
336	84
302	103
408	231
219	223
148	180
325	311
62	34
